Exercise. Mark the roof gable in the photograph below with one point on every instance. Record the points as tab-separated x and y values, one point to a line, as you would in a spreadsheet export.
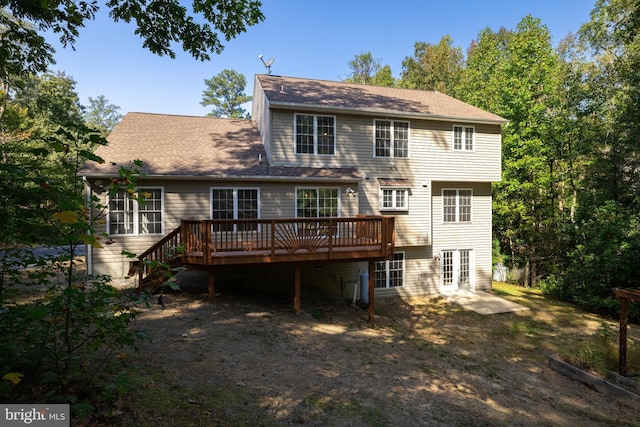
292	92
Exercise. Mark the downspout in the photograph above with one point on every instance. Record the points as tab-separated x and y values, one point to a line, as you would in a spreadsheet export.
88	194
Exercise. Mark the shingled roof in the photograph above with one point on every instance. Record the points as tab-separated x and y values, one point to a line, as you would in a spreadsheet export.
293	93
186	146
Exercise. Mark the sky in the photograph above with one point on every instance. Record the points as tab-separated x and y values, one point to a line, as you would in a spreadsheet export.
310	39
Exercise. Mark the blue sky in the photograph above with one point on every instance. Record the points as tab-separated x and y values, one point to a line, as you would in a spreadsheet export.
307	39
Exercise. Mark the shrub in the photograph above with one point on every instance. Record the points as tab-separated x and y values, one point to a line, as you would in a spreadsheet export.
64	346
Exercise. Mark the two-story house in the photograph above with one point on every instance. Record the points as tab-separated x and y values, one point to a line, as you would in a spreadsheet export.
329	159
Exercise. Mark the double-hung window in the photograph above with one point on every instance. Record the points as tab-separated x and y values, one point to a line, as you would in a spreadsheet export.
136	213
234	203
394	199
463	138
391	139
456	205
315	134
390	274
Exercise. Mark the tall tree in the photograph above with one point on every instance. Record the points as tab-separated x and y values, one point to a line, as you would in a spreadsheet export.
384	77
225	91
365	69
515	74
102	115
434	67
606	240
39	159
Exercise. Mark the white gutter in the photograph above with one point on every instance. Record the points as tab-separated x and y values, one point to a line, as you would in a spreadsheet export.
234	177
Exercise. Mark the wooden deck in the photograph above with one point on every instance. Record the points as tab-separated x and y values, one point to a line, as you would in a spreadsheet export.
207	244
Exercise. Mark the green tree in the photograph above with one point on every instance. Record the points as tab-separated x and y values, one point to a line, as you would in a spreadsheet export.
605	239
516	75
434	67
384	77
102	115
365	69
225	91
159	23
35	167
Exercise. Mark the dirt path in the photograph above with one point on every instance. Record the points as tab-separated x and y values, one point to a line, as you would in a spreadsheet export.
246	360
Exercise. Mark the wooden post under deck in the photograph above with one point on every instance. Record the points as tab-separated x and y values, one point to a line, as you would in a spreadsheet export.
372	272
296	289
212	285
624	322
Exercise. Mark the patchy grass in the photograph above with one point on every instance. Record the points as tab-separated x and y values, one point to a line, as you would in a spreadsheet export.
425	361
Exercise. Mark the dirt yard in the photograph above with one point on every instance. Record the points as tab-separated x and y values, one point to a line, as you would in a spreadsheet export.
247	360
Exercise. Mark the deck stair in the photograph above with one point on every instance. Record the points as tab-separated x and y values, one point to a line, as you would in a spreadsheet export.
208	244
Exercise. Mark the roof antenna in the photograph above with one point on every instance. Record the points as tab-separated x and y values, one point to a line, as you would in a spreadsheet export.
267	63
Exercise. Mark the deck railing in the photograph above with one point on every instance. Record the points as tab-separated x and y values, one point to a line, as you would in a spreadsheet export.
286	237
256	241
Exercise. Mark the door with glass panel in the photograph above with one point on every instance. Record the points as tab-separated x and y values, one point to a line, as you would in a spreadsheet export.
456	270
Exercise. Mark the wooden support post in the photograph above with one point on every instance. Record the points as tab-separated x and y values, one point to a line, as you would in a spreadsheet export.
372	272
212	285
296	289
624	321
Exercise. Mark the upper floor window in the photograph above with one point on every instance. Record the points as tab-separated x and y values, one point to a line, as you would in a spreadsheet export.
396	199
391	138
463	138
234	203
317	202
456	205
140	214
315	134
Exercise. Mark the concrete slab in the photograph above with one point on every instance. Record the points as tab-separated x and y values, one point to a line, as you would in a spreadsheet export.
484	302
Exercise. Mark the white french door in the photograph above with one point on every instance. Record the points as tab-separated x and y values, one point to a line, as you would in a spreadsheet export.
456	270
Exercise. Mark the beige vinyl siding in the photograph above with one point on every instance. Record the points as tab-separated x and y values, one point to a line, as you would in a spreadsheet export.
420	269
261	113
431	158
431	154
186	199
475	235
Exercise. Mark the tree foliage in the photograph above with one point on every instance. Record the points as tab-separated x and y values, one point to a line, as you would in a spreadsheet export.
365	69
102	115
158	23
434	67
225	91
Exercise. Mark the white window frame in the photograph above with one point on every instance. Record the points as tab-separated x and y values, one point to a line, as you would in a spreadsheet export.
337	189
392	150
455	280
315	134
136	212
394	199
463	144
457	206
387	271
235	200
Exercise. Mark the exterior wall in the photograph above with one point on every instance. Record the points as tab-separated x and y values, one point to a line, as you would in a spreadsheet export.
475	235
431	158
261	113
191	200
420	232
431	154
